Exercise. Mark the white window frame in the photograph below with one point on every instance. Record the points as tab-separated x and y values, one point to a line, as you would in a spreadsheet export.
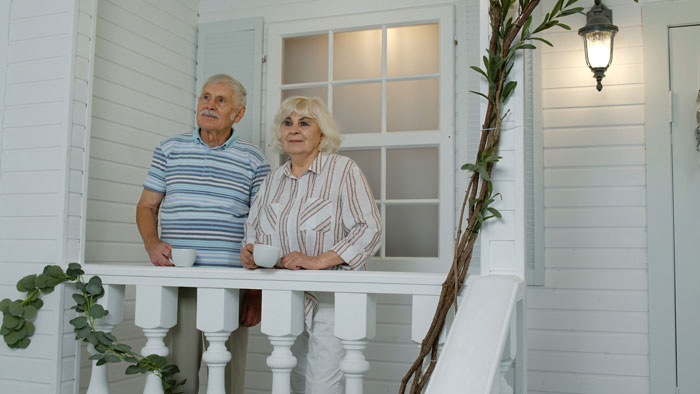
443	138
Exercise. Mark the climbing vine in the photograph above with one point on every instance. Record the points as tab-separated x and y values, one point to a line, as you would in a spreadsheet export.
19	316
511	32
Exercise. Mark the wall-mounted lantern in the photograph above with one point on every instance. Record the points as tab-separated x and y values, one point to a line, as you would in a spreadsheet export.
598	35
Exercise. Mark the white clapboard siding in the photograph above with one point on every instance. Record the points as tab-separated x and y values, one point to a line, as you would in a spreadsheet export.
144	78
44	117
588	326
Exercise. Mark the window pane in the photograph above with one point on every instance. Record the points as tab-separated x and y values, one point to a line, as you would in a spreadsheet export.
412	50
357	54
412	173
369	162
305	59
358	108
321	93
411	231
412	105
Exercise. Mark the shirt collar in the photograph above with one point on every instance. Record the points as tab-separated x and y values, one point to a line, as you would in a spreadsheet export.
315	167
231	140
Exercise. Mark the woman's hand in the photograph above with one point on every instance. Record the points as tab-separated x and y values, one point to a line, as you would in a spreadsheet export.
247	257
297	260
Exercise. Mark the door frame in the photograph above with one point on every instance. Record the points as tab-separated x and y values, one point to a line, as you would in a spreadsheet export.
657	19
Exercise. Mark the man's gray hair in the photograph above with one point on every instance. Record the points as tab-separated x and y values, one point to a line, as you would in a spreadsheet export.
239	92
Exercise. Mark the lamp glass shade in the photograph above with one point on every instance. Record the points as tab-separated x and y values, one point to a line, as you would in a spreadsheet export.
599	48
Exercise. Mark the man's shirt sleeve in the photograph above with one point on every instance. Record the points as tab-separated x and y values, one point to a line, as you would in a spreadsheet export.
155	180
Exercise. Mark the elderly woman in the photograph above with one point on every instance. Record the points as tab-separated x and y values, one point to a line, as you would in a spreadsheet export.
319	209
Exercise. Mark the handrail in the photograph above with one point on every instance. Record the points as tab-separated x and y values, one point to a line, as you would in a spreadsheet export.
472	354
375	282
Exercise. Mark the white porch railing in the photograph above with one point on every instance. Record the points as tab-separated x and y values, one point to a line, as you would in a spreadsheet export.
282	315
485	339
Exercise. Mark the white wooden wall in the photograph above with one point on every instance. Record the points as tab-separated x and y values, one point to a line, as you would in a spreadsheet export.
46	101
588	326
144	82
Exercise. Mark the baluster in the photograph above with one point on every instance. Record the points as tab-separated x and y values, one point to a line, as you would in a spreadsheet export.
355	321
422	312
156	312
113	301
500	385
217	317
282	322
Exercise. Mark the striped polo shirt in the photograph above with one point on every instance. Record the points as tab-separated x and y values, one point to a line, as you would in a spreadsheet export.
208	192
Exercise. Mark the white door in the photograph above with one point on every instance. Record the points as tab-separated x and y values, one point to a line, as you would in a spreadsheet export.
684	48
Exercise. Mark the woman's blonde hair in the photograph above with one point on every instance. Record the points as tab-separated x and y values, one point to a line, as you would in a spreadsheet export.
310	107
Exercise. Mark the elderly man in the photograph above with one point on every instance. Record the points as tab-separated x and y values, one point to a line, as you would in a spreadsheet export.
202	184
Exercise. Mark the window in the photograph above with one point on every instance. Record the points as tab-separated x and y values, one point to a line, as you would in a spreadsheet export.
388	80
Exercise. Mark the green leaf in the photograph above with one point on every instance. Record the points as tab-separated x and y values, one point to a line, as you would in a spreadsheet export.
132	370
4	330
495	212
112	358
96	356
47	290
10	321
41	281
158	361
23	343
30	327
101	361
480	71
81	286
79	322
480	94
15	336
83	332
508	89
92	338
130	359
97	311
38	303
5	305
79	299
53	271
564	26
30	312
16	308
74	271
94	286
469	167
26	283
543	40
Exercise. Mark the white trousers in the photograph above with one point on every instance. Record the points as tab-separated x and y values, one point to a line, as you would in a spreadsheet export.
318	352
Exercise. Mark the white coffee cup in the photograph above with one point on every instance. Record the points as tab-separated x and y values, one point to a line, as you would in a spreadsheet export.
183	257
266	255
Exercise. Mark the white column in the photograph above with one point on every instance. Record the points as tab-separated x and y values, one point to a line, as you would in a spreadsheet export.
355	321
113	301
217	317
156	312
282	322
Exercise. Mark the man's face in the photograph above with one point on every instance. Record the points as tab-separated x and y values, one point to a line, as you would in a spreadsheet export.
217	108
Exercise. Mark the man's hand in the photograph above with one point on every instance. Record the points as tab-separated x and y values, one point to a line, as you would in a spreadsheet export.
247	257
160	253
251	310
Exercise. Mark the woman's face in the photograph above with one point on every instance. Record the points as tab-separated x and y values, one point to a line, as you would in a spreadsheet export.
300	135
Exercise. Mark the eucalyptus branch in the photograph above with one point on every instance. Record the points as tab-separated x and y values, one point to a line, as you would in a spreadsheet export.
19	315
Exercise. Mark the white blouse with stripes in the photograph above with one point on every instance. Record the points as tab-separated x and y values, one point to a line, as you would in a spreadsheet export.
329	207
